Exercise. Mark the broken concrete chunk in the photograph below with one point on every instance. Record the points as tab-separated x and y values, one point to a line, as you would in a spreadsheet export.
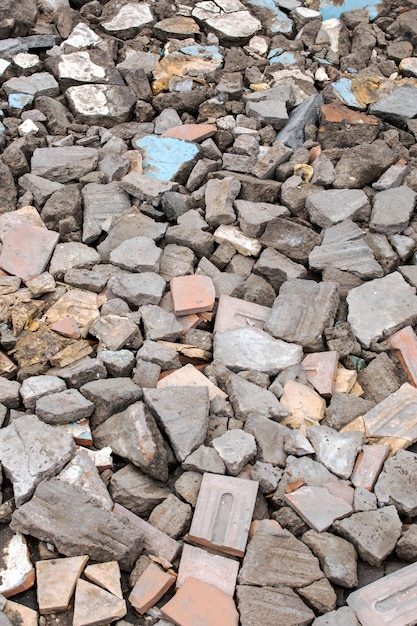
395	484
139	493
268	604
63	407
110	396
337	451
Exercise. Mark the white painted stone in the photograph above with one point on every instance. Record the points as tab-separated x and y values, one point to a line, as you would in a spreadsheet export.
81	36
238	25
78	66
16	571
130	16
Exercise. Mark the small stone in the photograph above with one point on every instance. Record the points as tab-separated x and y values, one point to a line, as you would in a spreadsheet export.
63	407
129	20
138	289
337	451
268	604
114	331
382	219
329	207
171	517
63	164
337	556
110	396
395	483
139	254
138	492
236	448
103	105
320	595
35	387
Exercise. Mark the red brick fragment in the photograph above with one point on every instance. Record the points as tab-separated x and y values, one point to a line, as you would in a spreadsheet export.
405	342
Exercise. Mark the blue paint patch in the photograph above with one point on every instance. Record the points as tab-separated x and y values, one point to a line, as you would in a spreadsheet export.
343	87
272	53
322	61
329	10
280	22
19	100
205	52
286	58
164	157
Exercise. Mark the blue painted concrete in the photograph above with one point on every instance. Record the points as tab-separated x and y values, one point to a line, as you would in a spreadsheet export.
286	58
19	100
344	88
163	157
205	52
329	10
280	23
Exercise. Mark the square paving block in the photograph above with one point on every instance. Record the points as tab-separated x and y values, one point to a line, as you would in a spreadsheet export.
210	568
223	513
192	294
234	313
389	601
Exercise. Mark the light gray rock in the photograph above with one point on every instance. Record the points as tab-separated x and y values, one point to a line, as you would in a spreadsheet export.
110	396
269	606
332	206
138	289
234	26
72	255
63	407
380	307
396	483
176	261
35	387
255	216
270	159
117	362
136	491
102	105
36	85
31	451
270	439
138	254
204	459
278	268
337	451
273	112
235	448
103	535
9	393
398	106
247	399
160	324
306	113
338	558
79	373
252	348
312	473
41	188
268	551
182	412
407	546
219	197
290	238
266	475
145	188
188	486
364	500
172	517
63	165
353	256
373	533
384	219
102	203
162	356
114	331
344	616
128	20
316	306
134	435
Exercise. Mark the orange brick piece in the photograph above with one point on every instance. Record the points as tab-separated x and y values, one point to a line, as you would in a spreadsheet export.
389	601
191	132
236	313
405	342
56	580
67	327
199	603
150	588
223	513
192	294
210	568
369	465
320	369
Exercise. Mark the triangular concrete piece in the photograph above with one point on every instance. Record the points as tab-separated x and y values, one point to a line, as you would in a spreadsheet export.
106	575
95	607
182	412
56	580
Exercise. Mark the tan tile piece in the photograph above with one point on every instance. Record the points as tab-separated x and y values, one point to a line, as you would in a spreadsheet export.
223	513
305	406
187	350
344	379
356	424
56	580
94	606
106	575
197	602
23	260
67	327
369	465
389	601
191	132
154	541
357	390
7	367
210	568
20	614
405	343
320	369
189	376
235	313
192	294
80	304
248	246
150	588
395	416
16	570
70	354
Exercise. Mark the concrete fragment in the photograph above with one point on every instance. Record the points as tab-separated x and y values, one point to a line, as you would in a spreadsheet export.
267	604
337	557
395	484
138	492
337	451
236	448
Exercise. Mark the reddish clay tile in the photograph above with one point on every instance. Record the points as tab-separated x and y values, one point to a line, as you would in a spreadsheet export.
67	327
294	485
197	602
320	369
154	541
27	250
7	367
150	588
317	507
191	132
192	294
395	416
223	513
341	490
405	342
56	580
236	313
339	113
210	568
389	601
369	465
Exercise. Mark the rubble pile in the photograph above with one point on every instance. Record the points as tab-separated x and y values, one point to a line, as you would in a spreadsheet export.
208	273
